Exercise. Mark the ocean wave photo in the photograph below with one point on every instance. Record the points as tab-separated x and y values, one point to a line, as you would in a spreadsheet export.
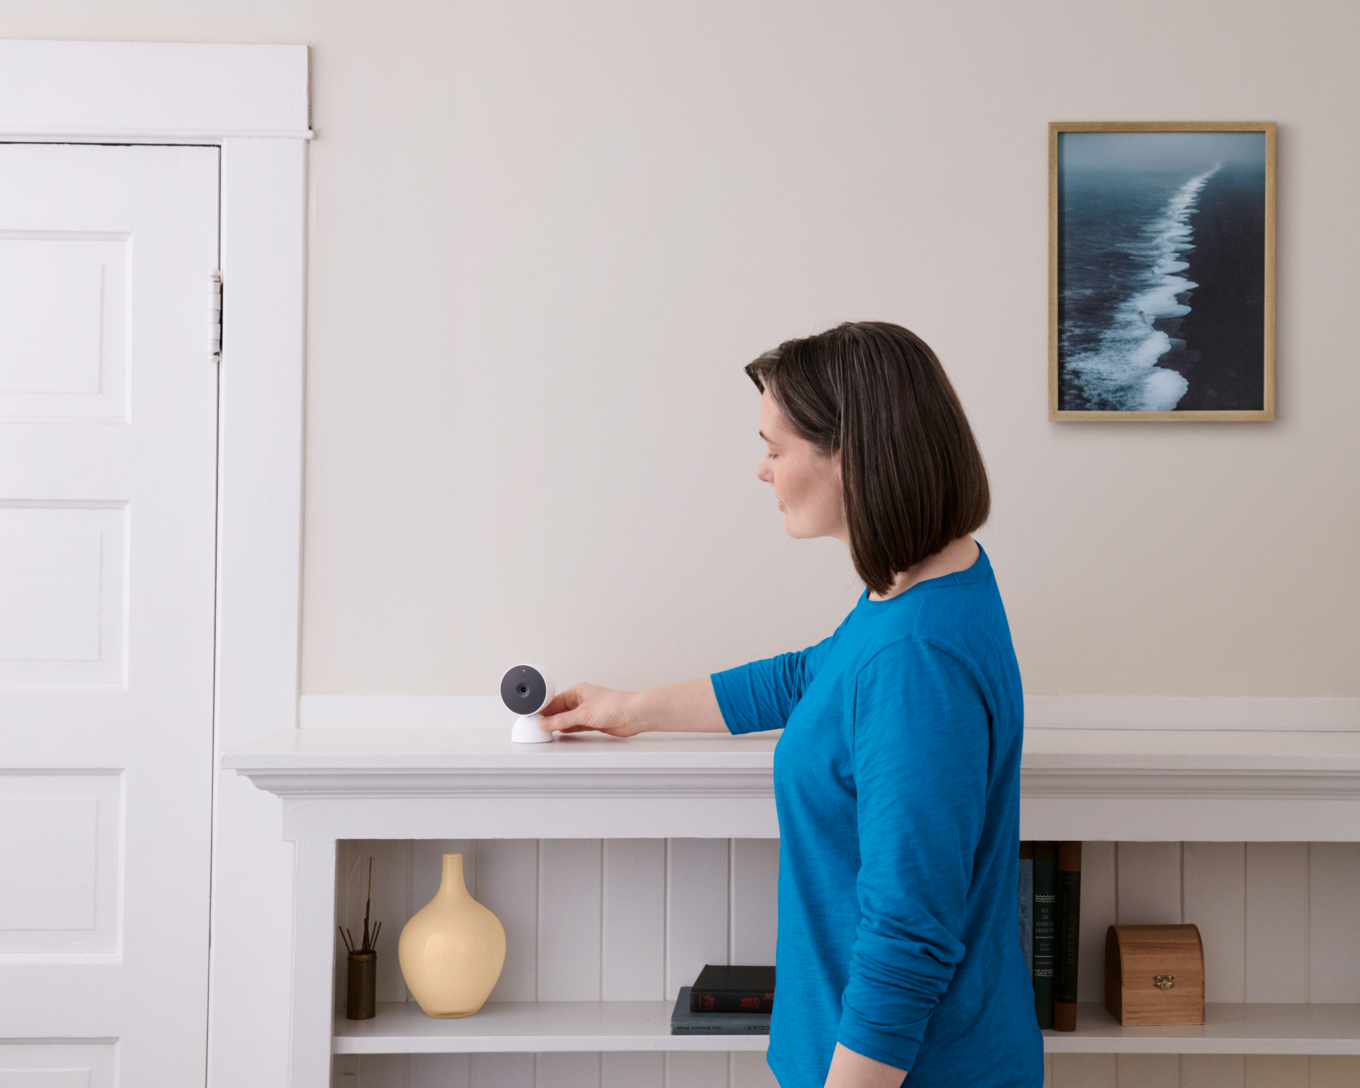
1161	271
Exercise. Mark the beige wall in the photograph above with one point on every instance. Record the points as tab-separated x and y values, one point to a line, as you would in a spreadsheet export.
546	235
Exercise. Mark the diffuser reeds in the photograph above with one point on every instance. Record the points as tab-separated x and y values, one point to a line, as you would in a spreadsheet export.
369	940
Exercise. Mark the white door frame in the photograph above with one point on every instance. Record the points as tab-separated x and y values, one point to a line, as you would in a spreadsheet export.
252	101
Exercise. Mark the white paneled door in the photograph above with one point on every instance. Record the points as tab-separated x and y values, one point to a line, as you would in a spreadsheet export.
108	438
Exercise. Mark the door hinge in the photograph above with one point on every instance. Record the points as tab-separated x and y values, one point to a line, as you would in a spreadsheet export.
215	315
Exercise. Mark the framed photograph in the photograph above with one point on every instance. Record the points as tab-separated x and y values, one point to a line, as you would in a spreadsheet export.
1161	271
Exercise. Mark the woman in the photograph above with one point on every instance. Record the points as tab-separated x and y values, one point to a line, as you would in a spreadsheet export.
897	776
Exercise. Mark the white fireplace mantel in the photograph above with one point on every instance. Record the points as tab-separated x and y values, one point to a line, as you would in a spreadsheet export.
1166	785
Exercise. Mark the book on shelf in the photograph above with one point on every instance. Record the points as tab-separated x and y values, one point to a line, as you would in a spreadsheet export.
723	988
1068	936
1045	926
685	1022
1027	903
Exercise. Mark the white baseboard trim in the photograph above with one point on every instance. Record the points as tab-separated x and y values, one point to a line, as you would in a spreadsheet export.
403	712
1320	714
1316	714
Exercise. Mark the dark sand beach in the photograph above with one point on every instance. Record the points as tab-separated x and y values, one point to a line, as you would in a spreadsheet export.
1223	335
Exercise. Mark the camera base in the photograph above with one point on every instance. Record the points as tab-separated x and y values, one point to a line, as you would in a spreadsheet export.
526	730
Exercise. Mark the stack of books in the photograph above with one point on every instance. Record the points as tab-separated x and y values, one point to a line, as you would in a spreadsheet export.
725	1000
1050	928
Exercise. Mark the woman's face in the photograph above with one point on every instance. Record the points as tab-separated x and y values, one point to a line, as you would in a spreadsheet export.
806	482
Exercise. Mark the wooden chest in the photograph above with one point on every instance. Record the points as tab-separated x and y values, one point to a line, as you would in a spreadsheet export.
1154	975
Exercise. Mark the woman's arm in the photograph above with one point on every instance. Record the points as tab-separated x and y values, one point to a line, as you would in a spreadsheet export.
755	696
852	1070
690	707
920	765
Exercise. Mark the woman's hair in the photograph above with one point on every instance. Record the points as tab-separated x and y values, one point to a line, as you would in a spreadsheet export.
911	474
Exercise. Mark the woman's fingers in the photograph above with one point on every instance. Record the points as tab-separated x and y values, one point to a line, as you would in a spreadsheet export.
570	711
564	701
586	706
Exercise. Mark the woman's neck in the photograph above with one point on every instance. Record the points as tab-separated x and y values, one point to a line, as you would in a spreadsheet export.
955	556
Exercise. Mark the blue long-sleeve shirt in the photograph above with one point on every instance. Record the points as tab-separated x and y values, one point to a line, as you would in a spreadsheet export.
897	783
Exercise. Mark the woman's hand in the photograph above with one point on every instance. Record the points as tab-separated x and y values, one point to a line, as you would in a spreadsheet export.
586	706
690	707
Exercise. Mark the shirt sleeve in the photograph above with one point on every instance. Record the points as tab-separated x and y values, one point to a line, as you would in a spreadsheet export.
921	749
762	694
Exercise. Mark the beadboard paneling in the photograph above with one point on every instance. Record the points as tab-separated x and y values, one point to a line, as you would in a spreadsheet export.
1276	1071
501	1071
1333	1071
567	1071
375	1071
697	922
1211	1071
695	1069
632	1070
755	900
1333	922
1277	922
1149	883
440	1071
750	1070
1084	1071
1215	901
634	948
1149	1070
1098	913
507	885
569	917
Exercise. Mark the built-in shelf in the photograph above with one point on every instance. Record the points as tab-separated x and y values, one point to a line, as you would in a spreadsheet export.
1227	1029
536	1026
543	1026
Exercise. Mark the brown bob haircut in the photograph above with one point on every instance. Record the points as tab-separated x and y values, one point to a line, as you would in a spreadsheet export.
911	474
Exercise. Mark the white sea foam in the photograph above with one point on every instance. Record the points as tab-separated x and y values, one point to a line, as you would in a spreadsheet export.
1123	369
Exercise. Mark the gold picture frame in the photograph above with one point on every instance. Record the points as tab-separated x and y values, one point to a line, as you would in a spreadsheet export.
1126	216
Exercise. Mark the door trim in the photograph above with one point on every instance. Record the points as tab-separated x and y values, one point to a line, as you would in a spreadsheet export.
252	101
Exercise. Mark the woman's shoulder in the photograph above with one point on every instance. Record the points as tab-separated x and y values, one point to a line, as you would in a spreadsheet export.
965	623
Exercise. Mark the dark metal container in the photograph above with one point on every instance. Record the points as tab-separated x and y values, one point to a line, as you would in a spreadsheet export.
360	1000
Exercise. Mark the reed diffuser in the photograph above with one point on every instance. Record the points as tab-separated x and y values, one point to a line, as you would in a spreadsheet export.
361	993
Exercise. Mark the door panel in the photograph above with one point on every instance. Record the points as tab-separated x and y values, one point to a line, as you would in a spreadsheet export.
108	435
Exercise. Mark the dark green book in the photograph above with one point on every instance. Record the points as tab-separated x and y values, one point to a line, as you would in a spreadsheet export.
1068	937
1045	928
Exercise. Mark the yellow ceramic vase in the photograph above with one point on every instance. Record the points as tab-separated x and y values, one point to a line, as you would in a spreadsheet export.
452	951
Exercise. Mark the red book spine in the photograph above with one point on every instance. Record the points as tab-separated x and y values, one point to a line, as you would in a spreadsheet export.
731	1000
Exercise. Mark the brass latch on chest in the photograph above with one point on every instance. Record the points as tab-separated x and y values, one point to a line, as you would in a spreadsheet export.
1164	982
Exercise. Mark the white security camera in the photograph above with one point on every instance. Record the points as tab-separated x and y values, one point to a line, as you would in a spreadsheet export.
527	689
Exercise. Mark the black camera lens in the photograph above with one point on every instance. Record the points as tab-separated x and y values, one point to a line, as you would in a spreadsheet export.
524	690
